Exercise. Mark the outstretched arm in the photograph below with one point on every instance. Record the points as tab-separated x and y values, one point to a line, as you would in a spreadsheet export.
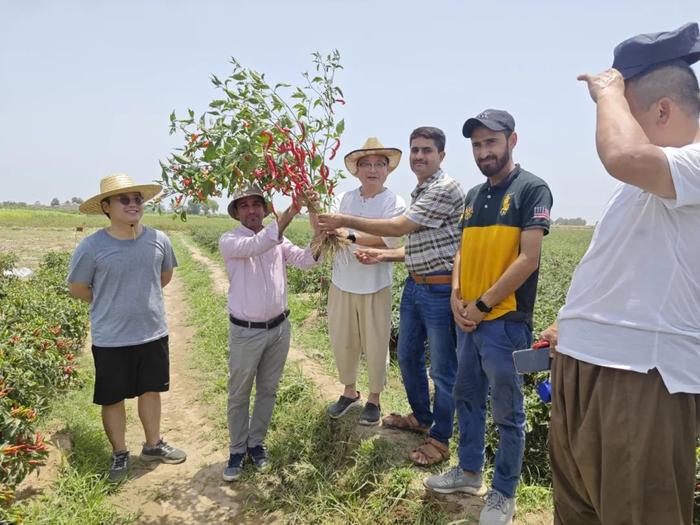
393	227
377	255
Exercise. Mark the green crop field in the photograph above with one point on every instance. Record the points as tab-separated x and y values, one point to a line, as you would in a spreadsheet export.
27	236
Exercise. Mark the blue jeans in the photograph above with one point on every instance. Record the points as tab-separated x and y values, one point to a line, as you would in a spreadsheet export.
486	360
426	314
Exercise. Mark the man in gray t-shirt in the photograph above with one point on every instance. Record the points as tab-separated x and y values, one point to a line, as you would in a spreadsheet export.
121	271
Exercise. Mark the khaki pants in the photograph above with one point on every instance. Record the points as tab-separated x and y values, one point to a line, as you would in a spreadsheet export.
360	323
622	447
255	355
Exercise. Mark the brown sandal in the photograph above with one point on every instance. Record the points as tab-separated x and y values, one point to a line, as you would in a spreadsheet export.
430	453
407	422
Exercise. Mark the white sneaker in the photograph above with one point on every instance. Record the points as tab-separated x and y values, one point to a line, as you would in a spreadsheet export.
498	510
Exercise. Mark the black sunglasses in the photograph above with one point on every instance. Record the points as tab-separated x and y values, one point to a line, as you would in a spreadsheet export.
125	200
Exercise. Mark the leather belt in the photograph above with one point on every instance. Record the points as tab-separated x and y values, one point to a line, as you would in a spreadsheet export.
432	279
267	325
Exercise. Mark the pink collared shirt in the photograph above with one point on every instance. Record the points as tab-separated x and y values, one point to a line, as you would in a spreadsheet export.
257	271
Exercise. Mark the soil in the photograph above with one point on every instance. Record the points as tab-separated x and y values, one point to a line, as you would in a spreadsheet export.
193	492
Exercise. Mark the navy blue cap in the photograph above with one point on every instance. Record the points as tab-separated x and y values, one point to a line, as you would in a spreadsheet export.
637	54
494	119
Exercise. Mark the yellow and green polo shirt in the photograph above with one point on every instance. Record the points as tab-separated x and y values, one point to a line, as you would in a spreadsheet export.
494	216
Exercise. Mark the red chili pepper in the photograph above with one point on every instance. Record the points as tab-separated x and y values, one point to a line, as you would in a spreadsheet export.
286	131
287	169
271	165
340	101
334	150
186	182
303	130
193	137
269	138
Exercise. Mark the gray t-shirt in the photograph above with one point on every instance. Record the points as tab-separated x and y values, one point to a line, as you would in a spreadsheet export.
127	298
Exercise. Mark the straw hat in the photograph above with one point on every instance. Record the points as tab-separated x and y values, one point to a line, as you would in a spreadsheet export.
372	146
246	191
114	185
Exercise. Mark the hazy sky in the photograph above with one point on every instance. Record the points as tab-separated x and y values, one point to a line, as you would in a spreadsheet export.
86	87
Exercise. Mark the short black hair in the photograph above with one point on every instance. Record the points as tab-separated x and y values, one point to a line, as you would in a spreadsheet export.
431	133
675	80
105	200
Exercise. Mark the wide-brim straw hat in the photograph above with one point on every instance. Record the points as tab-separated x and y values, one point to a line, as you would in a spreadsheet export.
372	146
114	185
246	191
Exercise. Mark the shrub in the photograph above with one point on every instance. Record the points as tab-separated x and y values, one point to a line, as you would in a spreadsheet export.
41	330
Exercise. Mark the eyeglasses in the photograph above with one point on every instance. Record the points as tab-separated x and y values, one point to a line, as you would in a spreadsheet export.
125	200
369	165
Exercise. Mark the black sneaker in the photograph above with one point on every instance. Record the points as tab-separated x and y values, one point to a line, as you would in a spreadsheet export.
340	407
258	455
119	468
234	468
371	414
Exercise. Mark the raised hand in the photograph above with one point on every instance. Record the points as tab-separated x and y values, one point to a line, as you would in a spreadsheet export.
608	81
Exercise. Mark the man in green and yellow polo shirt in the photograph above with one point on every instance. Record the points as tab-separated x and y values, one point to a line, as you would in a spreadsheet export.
494	282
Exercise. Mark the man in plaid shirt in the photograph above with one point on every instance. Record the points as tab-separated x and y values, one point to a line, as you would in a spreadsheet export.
431	225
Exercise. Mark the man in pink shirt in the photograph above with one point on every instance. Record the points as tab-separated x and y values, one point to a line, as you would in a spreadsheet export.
256	257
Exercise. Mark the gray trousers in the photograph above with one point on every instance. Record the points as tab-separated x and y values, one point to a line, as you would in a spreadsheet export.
254	355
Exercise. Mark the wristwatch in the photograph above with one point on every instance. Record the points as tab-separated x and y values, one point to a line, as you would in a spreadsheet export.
481	306
351	237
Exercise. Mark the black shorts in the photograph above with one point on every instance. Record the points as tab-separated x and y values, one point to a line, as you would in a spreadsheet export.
129	371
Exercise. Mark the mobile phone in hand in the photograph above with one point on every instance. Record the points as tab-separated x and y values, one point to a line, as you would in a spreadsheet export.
530	360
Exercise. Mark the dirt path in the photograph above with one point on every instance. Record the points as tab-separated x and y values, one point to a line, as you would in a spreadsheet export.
192	492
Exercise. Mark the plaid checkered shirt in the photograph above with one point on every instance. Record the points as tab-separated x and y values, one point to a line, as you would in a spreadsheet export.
437	205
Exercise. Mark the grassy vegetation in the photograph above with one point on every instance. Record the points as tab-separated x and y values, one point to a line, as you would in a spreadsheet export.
209	347
80	492
55	219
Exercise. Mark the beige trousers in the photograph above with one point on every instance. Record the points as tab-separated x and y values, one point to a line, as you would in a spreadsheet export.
357	324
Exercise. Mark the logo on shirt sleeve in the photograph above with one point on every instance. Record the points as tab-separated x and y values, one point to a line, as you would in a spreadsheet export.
541	213
468	212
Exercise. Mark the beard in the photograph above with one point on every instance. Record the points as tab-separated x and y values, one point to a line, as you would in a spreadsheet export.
494	167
